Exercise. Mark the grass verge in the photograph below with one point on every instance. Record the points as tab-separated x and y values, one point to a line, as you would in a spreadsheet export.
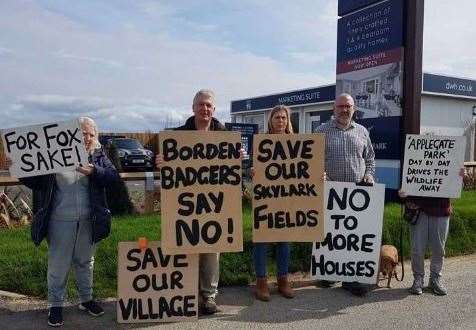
24	266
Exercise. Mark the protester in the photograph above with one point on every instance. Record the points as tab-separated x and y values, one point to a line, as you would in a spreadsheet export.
203	108
349	158
429	223
70	211
279	122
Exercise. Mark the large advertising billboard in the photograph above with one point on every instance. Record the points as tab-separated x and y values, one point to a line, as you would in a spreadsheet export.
369	67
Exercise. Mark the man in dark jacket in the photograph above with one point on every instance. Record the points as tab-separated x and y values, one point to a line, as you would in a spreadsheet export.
203	108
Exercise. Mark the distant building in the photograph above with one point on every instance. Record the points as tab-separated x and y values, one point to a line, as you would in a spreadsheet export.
448	108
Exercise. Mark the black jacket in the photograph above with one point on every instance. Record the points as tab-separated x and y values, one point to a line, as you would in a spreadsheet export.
44	189
215	125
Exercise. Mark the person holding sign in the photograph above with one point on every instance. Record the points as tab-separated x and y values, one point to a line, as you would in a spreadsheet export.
279	122
349	157
70	211
203	107
429	219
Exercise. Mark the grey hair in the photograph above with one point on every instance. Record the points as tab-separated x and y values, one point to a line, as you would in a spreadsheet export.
90	122
347	95
208	93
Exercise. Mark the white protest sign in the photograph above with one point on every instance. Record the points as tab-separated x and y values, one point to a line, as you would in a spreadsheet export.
155	287
432	164
44	149
351	249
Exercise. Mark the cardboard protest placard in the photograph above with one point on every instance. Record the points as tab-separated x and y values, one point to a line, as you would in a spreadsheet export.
44	149
155	287
350	251
288	194
431	165
201	192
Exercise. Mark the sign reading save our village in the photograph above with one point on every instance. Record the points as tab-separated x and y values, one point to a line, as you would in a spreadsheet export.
44	149
432	164
288	191
155	287
201	192
350	250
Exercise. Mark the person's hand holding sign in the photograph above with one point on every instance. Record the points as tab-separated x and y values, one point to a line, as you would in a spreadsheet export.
86	170
368	179
159	159
8	163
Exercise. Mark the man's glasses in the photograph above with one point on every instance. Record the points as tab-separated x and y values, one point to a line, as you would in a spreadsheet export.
345	106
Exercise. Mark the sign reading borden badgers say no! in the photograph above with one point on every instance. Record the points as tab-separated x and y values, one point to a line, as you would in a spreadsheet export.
44	149
350	250
288	193
155	287
432	164
201	192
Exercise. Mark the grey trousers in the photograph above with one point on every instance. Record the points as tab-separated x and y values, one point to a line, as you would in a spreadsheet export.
69	243
433	231
209	265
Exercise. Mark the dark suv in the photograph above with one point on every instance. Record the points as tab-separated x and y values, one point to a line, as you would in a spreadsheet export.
133	155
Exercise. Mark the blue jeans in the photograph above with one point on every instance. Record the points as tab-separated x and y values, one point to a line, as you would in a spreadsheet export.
282	258
69	243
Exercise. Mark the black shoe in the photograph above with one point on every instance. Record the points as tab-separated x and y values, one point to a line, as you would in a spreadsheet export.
92	308
209	306
326	284
355	288
55	316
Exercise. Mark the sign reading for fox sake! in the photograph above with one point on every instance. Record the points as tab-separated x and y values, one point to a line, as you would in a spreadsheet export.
288	187
44	149
432	165
201	192
155	287
350	250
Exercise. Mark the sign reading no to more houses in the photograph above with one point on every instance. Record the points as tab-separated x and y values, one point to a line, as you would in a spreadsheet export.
350	250
155	287
432	164
288	187
44	149
201	192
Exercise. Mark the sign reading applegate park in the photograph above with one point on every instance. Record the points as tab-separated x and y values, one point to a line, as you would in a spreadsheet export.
350	251
44	149
201	192
432	164
288	187
155	287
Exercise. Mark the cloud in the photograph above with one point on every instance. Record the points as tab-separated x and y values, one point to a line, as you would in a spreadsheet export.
449	32
111	115
140	65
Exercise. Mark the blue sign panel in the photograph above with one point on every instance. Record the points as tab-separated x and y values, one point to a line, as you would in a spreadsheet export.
346	6
448	85
369	31
385	136
247	131
305	96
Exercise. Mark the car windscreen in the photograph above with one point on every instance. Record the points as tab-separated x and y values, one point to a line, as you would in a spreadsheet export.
127	144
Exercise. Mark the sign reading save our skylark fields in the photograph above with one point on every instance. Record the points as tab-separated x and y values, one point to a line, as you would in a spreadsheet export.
288	187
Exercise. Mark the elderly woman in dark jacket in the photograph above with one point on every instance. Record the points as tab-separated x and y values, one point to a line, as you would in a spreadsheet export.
70	211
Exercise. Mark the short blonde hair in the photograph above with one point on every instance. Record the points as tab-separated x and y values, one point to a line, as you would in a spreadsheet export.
289	126
90	122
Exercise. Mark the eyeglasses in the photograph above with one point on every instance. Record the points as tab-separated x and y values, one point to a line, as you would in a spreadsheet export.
345	106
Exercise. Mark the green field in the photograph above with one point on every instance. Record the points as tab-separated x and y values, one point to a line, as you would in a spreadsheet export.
23	266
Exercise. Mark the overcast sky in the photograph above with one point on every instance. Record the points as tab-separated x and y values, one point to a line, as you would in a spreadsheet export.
134	65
